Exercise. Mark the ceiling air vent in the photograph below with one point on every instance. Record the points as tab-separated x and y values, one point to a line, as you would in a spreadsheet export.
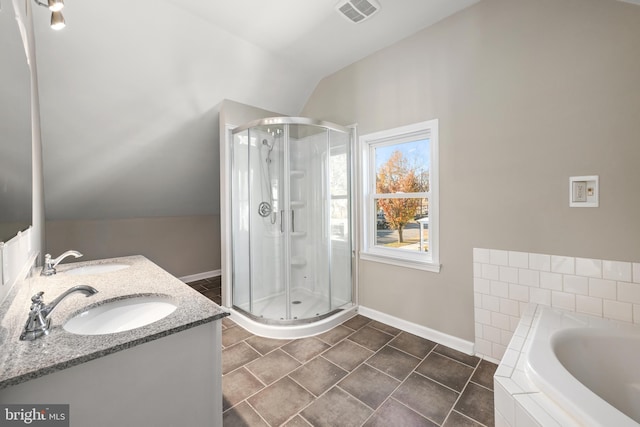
357	10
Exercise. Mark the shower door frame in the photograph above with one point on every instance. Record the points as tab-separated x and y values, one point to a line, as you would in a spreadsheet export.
228	255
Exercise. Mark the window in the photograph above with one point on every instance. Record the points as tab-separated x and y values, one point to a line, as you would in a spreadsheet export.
400	196
339	192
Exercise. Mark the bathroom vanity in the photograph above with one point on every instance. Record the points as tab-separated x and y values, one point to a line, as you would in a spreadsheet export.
164	373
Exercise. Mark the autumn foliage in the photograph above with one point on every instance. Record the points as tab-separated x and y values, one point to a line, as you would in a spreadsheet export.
397	176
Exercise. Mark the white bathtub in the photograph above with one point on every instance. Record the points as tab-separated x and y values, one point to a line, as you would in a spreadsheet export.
589	366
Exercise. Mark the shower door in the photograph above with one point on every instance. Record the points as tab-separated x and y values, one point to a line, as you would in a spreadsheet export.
308	222
258	203
290	221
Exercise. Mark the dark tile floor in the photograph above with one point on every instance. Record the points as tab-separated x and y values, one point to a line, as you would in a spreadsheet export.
210	288
360	373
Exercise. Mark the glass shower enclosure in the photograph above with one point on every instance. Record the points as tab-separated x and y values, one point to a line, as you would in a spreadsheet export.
291	219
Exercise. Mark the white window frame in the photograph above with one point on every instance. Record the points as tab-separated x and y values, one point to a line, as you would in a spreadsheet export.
429	261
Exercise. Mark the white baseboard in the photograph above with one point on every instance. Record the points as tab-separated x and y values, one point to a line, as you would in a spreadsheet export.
200	276
421	331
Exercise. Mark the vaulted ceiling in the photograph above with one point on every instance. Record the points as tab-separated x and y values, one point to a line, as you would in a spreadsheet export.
130	90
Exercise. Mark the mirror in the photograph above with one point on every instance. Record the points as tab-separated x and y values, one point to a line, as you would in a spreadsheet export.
15	129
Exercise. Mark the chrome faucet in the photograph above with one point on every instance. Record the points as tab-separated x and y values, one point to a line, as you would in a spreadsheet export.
49	267
39	321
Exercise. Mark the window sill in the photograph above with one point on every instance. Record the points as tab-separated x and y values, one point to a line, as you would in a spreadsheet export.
401	262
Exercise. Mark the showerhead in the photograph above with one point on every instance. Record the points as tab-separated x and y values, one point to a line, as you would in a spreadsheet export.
270	147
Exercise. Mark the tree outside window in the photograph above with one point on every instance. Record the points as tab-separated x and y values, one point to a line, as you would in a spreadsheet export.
402	169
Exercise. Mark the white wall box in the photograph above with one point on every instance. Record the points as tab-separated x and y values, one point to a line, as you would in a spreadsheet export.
583	191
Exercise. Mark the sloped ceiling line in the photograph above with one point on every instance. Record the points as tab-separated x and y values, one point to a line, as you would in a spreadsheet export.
129	85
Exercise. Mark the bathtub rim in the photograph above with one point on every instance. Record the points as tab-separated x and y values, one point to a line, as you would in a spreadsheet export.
542	364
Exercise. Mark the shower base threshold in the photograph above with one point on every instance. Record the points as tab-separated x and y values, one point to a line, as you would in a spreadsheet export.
292	329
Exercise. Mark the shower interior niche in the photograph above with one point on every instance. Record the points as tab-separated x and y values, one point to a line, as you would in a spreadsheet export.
291	249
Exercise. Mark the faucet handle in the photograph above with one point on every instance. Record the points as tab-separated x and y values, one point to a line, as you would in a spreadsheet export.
37	301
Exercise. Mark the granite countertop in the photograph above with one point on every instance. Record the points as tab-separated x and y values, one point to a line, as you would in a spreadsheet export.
24	360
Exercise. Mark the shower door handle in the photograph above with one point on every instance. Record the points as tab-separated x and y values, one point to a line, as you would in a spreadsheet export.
293	220
282	221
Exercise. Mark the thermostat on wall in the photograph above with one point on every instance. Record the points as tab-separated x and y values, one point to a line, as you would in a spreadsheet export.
583	191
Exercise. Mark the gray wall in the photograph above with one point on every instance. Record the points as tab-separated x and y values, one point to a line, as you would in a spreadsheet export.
236	114
130	131
527	93
129	117
183	246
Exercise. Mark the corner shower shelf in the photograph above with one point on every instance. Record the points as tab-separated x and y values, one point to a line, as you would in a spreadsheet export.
297	204
298	233
297	173
297	261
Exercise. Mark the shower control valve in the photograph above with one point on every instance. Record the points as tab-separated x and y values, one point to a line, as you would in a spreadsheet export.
264	209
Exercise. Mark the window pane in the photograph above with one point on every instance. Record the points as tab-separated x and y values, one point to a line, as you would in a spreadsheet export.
402	223
339	219
338	179
403	168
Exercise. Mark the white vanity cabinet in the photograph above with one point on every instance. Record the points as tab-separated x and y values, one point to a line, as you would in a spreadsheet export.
172	381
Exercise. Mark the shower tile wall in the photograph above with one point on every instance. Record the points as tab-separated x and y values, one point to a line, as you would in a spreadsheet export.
505	282
309	214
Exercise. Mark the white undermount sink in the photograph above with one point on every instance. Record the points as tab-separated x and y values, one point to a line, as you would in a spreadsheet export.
121	315
96	269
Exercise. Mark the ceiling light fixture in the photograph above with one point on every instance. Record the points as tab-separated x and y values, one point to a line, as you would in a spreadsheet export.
57	21
55	6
